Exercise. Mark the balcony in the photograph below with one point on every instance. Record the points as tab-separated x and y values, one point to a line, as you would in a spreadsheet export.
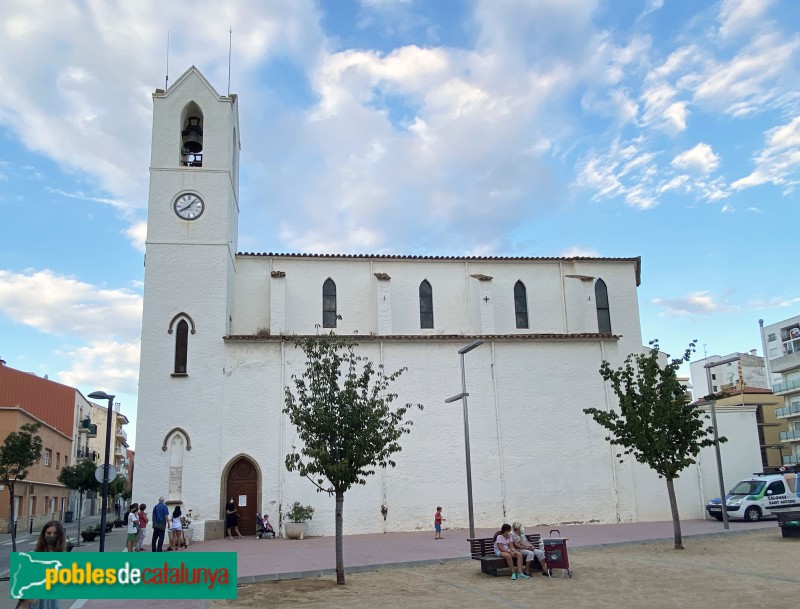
83	426
122	435
785	362
120	451
790	436
789	460
787	387
792	410
92	433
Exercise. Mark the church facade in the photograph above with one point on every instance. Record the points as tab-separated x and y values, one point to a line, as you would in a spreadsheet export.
218	350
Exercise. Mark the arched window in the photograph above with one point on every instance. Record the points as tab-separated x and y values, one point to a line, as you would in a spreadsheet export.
603	312
425	305
192	136
176	445
181	346
521	304
329	304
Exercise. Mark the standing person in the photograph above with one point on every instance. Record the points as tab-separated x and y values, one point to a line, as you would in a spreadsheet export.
176	531
504	546
437	522
160	514
232	519
133	526
142	526
51	539
527	549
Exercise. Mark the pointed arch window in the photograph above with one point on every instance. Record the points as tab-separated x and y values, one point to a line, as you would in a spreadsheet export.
329	304
425	305
603	310
181	346
521	304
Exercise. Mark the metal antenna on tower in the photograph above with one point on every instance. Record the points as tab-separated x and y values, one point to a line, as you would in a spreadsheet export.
230	44
166	81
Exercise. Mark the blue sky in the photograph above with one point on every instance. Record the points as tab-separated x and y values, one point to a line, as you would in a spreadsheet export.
663	129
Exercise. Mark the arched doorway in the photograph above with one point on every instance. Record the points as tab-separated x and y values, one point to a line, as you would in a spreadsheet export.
242	485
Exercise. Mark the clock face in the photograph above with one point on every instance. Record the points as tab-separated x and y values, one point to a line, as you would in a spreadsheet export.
189	206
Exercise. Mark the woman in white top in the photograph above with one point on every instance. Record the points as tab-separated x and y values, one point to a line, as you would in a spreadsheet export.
176	531
133	526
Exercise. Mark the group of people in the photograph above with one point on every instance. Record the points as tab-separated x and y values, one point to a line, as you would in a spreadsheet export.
264	528
509	543
136	520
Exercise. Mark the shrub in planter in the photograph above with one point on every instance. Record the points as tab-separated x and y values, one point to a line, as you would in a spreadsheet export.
294	525
299	513
89	534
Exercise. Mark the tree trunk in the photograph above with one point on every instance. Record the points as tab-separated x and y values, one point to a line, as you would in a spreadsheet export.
11	519
676	520
339	548
80	509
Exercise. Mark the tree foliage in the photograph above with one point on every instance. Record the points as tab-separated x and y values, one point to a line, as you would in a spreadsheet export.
80	478
20	450
346	419
655	423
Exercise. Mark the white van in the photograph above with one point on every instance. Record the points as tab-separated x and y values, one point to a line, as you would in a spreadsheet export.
753	498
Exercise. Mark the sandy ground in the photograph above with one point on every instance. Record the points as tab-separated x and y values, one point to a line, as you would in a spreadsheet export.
753	569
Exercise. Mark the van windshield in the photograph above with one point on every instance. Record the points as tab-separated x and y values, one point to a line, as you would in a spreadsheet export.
748	487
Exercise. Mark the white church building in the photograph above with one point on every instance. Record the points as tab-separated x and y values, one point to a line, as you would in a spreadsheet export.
218	350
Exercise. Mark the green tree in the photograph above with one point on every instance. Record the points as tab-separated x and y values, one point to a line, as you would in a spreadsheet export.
116	488
80	478
655	422
346	420
20	450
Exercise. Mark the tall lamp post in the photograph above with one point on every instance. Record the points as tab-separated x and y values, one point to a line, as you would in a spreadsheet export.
102	395
463	397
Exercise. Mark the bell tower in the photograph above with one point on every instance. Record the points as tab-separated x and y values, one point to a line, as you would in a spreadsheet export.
190	268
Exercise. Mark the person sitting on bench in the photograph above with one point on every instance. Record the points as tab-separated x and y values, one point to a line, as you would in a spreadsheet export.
504	547
526	548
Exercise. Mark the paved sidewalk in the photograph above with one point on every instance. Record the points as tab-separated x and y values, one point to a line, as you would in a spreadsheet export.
271	559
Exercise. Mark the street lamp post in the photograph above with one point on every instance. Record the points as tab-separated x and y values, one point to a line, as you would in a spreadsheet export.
102	395
463	397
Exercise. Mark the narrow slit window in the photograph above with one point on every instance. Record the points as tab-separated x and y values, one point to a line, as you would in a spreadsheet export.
329	304
603	311
181	346
425	305
521	304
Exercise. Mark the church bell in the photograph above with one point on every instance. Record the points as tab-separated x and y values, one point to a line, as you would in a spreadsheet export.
193	136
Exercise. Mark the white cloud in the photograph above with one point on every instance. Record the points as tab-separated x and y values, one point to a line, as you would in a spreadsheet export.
578	251
696	303
63	306
737	16
778	162
701	160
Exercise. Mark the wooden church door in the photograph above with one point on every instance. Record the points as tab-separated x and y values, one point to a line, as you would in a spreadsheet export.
242	485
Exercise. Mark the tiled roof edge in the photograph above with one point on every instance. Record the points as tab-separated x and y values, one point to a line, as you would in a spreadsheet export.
432	337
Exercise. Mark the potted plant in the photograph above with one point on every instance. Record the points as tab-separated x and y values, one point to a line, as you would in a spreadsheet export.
186	522
295	525
119	522
89	534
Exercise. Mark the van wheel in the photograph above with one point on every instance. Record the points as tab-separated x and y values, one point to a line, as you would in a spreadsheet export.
752	514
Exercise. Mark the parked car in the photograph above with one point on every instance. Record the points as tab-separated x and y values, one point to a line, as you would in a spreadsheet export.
754	498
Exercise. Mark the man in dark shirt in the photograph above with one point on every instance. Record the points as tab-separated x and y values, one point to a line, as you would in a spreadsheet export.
160	514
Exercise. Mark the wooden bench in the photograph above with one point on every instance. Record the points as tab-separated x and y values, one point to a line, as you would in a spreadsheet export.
483	550
783	518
